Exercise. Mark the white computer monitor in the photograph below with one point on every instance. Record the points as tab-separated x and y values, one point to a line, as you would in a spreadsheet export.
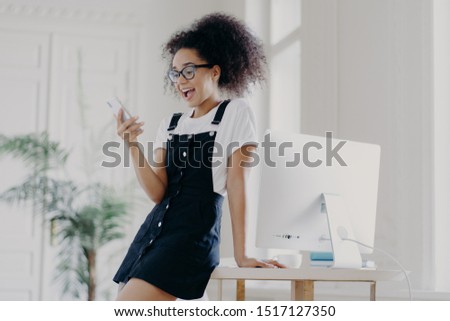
295	171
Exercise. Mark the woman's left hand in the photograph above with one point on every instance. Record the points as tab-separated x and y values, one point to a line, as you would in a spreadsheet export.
252	262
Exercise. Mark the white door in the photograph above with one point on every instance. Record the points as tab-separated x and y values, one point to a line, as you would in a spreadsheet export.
58	82
87	69
24	66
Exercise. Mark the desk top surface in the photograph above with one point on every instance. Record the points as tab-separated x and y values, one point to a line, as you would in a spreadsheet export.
307	273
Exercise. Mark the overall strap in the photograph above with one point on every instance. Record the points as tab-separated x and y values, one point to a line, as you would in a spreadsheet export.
174	121
219	112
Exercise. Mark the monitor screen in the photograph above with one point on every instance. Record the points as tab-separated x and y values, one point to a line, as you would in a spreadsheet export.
295	170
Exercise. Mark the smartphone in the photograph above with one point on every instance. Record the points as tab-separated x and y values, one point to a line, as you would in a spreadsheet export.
115	105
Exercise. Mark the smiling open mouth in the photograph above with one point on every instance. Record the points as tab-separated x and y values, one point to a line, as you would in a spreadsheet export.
188	93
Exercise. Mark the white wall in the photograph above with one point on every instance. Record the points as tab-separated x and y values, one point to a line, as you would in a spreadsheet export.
383	92
379	91
148	24
367	75
257	15
441	152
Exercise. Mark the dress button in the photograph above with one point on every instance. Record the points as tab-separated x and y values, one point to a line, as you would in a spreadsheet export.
184	154
167	206
211	133
151	241
159	224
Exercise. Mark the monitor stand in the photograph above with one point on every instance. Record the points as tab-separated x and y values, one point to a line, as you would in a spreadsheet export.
345	254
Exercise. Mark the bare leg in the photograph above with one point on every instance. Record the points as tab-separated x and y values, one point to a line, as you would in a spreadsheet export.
140	290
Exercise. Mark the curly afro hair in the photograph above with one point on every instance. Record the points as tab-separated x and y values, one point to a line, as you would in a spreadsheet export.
223	40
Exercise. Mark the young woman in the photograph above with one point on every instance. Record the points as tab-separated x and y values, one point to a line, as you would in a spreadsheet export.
200	156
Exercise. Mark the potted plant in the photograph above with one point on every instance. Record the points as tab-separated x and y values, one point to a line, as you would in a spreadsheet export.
83	218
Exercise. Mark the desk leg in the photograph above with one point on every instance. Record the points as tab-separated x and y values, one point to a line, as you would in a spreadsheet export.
373	291
219	290
240	290
302	290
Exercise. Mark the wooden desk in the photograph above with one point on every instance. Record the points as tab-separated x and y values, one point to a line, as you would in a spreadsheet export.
302	279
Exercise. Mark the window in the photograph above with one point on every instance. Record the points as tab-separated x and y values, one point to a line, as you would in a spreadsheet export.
284	55
285	68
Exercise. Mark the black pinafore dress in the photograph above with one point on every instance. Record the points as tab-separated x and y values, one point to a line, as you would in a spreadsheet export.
177	247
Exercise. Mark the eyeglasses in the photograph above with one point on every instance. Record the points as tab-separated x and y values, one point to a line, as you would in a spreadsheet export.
188	72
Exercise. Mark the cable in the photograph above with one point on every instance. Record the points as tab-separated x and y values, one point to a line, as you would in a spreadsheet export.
389	255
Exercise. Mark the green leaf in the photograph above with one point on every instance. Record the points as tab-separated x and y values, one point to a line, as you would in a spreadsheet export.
36	150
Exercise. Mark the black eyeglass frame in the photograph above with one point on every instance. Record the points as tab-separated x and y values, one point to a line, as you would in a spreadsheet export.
180	73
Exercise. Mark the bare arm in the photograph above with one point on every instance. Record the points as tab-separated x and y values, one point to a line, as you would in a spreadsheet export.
236	180
152	180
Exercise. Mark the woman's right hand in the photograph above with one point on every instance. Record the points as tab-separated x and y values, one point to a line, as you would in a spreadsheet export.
128	130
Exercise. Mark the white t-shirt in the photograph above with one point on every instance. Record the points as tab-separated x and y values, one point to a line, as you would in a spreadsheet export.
237	128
